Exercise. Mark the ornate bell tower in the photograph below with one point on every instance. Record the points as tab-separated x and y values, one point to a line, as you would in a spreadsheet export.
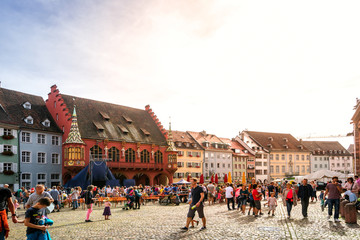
74	147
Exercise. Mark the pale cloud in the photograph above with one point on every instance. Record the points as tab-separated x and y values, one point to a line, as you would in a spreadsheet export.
221	66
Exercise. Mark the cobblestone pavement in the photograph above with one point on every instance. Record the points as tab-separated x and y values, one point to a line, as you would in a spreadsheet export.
164	222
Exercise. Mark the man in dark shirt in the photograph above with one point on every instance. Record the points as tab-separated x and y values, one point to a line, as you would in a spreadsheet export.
271	188
305	192
6	201
196	204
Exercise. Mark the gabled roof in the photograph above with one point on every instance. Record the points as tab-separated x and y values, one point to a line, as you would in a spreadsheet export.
12	102
183	138
331	148
202	137
121	124
276	141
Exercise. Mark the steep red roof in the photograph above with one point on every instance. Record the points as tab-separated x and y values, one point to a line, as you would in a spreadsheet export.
183	138
202	138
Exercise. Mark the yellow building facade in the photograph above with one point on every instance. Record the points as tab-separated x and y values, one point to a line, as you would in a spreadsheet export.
190	156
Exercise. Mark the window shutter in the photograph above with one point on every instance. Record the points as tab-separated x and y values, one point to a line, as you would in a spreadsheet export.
1	131
1	148
14	149
14	133
1	167
14	167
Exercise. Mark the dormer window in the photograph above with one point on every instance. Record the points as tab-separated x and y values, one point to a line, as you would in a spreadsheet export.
195	145
330	151
269	145
27	105
179	144
127	119
29	120
98	126
286	146
343	151
285	139
46	123
123	129
216	145
145	132
105	116
187	144
271	138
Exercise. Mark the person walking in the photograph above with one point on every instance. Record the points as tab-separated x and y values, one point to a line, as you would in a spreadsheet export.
305	192
196	205
56	196
289	198
257	198
6	201
334	190
211	193
89	202
229	192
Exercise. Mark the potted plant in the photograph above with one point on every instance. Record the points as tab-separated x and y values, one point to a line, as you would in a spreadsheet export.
8	137
7	153
190	155
8	172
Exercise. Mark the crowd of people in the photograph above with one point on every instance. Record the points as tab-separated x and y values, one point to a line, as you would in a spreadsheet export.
237	196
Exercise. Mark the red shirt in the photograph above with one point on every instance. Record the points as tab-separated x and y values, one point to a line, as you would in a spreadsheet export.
255	193
290	194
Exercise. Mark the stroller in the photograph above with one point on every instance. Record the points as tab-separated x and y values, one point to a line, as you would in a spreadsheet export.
129	203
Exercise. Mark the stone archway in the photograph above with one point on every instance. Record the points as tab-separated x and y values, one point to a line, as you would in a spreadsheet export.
161	179
67	177
141	178
121	177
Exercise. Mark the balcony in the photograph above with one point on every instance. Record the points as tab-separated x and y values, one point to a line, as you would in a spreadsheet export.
136	165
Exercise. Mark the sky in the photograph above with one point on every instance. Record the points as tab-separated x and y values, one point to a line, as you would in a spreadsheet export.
220	66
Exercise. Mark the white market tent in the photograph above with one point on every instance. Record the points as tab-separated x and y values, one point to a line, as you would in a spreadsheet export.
324	175
182	181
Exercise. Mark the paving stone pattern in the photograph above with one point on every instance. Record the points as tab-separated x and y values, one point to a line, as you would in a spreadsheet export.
164	222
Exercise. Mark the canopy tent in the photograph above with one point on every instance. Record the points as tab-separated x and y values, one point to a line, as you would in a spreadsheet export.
182	181
324	175
97	173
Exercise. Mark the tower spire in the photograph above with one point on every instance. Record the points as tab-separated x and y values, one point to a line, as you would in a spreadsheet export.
170	142
74	134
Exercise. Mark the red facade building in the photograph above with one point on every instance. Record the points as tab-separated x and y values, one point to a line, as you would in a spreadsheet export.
356	124
132	141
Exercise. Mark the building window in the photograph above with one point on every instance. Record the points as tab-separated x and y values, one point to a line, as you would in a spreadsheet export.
114	154
7	148
325	165
315	165
96	152
265	164
25	177
25	137
271	169
158	157
229	166
223	165
25	157
277	156
41	138
307	157
282	156
41	178
258	172
55	140
303	169
55	176
302	157
258	163
7	132
338	165
41	158
297	169
315	158
145	156
218	165
277	169
283	169
27	105
290	157
55	159
7	166
29	120
271	156
265	172
130	155
206	165
297	157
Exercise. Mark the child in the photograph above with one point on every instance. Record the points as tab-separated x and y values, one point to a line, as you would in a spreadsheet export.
16	204
272	202
32	216
107	211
